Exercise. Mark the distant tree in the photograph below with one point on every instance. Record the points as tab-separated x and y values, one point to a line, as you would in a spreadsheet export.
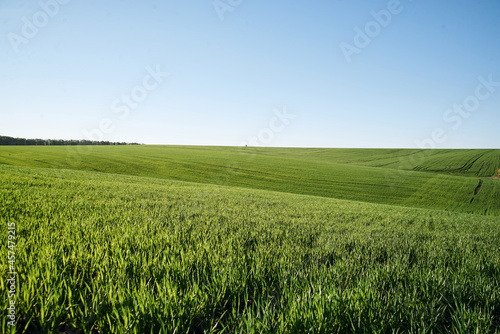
5	140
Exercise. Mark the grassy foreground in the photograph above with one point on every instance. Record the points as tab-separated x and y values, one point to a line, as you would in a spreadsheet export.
124	254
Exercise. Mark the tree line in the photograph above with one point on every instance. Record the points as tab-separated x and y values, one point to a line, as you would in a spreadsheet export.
4	140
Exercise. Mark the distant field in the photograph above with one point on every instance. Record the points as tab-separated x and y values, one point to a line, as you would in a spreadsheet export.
454	180
108	253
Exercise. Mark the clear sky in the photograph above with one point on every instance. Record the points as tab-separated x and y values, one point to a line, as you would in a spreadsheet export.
325	73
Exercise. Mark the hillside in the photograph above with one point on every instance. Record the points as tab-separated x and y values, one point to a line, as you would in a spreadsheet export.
453	180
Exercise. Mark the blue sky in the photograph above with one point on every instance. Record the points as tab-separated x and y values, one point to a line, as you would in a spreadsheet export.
331	73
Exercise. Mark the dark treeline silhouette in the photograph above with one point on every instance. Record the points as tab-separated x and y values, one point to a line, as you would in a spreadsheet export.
4	140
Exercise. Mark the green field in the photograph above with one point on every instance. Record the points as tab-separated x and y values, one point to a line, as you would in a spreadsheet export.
438	179
166	239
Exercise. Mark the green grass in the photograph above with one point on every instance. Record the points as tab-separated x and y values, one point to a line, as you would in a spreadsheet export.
173	239
438	179
110	253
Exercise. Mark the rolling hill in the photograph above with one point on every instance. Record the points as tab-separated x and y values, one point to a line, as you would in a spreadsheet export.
454	180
